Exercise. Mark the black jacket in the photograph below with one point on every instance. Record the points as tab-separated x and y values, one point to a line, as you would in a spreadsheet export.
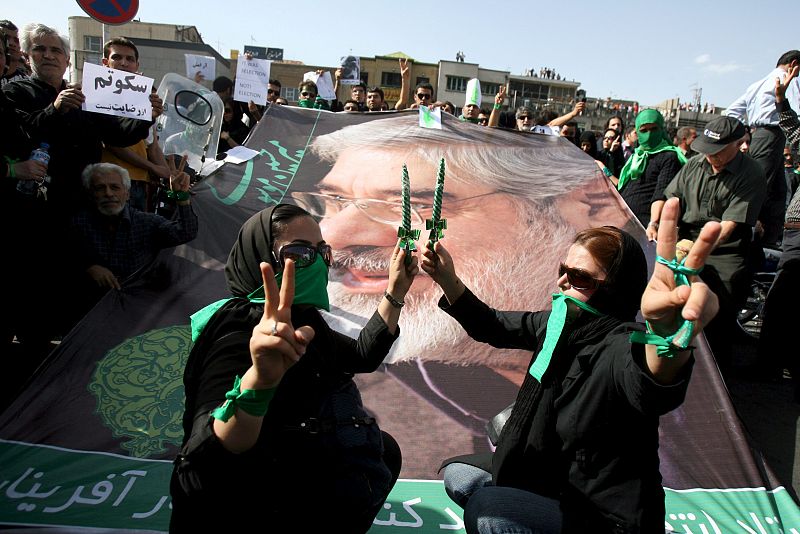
602	462
308	457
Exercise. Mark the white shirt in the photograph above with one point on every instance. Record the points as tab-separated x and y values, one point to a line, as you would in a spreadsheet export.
758	102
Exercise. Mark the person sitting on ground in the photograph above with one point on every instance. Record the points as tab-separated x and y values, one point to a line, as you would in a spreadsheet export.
294	423
111	240
579	451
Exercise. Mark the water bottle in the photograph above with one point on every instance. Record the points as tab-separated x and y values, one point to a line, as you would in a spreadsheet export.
30	187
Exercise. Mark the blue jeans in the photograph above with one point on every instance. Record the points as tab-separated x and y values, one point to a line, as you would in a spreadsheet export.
490	509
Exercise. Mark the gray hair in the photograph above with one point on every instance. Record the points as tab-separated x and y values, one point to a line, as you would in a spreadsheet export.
684	132
104	168
530	167
33	30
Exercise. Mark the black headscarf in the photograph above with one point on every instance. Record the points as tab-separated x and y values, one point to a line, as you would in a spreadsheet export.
621	294
589	137
528	455
253	246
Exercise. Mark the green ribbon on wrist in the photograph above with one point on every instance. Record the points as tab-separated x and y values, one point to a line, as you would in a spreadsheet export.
669	346
12	173
497	106
180	196
252	401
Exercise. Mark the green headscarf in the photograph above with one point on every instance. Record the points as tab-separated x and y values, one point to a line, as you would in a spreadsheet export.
651	142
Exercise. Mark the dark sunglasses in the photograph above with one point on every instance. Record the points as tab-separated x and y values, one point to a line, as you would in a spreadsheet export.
524	118
423	96
609	138
273	92
306	93
578	278
304	255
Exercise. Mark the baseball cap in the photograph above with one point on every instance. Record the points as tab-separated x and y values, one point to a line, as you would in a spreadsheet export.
717	135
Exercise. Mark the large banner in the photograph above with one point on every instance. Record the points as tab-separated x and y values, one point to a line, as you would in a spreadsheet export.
90	442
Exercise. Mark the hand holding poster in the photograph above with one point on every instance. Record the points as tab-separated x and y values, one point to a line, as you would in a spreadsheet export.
252	77
324	84
206	66
116	92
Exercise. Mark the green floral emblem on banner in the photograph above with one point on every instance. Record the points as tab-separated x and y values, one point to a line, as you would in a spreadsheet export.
139	389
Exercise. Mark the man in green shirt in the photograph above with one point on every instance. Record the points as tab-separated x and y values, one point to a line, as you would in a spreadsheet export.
728	187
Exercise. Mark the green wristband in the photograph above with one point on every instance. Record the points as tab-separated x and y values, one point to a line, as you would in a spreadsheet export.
497	106
178	195
252	401
11	171
607	172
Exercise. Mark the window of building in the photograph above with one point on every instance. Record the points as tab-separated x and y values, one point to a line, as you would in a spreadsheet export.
93	58
457	83
489	88
391	79
289	93
93	43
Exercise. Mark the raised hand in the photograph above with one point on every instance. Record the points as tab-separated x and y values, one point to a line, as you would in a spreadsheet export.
438	263
275	345
401	275
405	70
178	179
665	304
157	103
782	85
500	97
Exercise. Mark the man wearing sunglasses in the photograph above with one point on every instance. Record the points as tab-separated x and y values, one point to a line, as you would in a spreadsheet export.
309	96
273	91
514	212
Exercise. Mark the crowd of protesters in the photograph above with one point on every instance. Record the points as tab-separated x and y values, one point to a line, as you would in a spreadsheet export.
80	220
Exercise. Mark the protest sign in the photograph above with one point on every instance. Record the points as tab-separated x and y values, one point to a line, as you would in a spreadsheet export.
252	77
324	84
351	70
205	65
116	92
430	118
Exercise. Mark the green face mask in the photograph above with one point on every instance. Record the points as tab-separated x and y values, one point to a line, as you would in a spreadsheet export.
650	140
311	284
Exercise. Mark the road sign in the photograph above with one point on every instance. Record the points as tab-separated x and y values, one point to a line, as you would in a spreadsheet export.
110	11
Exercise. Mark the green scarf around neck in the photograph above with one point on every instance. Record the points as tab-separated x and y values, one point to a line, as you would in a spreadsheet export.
311	287
555	327
651	142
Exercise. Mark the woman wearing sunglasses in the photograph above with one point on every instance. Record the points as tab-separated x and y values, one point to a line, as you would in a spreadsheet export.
275	434
579	452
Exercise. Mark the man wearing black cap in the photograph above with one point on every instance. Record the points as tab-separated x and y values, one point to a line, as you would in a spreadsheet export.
766	147
728	187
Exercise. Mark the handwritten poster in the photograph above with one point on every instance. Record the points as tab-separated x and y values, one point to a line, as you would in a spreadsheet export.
205	65
252	77
116	92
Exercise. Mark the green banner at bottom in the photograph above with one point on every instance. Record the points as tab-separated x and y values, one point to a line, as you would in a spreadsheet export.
52	486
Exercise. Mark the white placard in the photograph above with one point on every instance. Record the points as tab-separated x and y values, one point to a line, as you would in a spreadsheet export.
324	84
351	70
430	118
116	92
252	77
205	65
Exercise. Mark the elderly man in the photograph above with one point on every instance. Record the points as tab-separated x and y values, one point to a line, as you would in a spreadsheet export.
728	187
111	240
144	158
522	195
76	137
757	105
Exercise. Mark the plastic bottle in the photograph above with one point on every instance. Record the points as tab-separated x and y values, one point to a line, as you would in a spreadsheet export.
29	187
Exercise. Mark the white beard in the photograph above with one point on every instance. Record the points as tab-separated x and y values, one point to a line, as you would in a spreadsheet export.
520	279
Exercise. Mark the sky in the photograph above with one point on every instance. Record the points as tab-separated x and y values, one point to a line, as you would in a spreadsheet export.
621	49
